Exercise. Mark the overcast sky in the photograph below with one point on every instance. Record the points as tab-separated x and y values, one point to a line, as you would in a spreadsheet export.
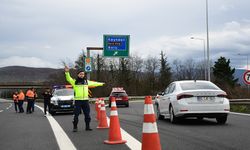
41	33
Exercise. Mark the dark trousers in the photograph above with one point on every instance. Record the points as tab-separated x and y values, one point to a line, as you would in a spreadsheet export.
46	105
20	106
16	105
29	105
84	105
33	106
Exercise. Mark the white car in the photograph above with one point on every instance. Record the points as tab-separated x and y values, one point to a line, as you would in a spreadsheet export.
62	100
193	98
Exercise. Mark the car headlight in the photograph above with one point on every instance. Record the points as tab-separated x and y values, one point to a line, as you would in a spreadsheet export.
54	102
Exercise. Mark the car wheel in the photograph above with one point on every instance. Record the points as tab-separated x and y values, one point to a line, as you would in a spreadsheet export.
159	116
127	105
52	113
221	120
173	118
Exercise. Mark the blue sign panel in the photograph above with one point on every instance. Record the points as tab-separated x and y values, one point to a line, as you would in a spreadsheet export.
116	45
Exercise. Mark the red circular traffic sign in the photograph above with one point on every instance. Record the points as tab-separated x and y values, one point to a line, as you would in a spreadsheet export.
246	77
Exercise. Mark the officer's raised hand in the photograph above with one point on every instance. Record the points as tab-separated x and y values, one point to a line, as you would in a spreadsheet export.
66	68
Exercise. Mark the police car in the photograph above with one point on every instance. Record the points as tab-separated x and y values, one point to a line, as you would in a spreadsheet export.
62	99
120	96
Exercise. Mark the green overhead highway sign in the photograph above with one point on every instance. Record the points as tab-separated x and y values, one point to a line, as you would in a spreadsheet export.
116	45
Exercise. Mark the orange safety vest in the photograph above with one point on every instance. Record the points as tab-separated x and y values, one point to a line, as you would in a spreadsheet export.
15	98
30	94
21	96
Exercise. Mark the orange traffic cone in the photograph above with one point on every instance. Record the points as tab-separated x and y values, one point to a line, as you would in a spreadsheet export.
150	136
103	123
97	109
114	130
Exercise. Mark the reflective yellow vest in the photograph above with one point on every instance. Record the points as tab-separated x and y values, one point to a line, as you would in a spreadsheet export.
81	91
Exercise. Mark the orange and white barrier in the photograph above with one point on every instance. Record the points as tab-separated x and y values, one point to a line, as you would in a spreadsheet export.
114	130
150	136
103	123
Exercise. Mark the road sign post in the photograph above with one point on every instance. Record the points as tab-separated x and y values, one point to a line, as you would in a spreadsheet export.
88	64
88	55
116	45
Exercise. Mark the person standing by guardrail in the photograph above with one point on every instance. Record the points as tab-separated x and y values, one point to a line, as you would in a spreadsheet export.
30	99
21	98
15	99
80	86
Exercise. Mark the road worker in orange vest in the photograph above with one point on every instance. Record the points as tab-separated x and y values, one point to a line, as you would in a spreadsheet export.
30	99
15	99
21	98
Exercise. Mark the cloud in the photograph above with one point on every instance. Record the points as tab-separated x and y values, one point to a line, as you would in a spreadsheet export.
54	30
226	7
232	39
47	47
26	61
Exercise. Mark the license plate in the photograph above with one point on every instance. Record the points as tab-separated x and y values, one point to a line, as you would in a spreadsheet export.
206	98
118	99
65	106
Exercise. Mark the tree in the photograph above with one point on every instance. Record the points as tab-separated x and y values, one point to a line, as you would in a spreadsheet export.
99	66
165	73
223	73
136	73
151	66
124	72
187	70
79	63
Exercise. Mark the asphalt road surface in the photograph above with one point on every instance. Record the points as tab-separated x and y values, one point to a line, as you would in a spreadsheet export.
34	132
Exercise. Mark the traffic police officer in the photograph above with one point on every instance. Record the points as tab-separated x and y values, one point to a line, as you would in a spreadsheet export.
80	86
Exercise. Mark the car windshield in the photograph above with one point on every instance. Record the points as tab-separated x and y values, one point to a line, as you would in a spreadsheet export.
198	86
118	94
64	92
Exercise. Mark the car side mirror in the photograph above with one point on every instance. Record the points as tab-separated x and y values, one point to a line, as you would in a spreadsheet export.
163	93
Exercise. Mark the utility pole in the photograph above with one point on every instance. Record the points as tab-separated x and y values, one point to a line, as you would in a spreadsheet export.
208	60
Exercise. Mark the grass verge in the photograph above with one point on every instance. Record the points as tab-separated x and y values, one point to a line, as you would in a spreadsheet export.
240	108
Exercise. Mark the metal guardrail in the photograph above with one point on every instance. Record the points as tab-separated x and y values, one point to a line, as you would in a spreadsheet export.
240	101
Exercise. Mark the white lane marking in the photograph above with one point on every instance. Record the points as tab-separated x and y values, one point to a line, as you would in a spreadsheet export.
242	114
132	143
62	139
9	106
1	110
4	100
